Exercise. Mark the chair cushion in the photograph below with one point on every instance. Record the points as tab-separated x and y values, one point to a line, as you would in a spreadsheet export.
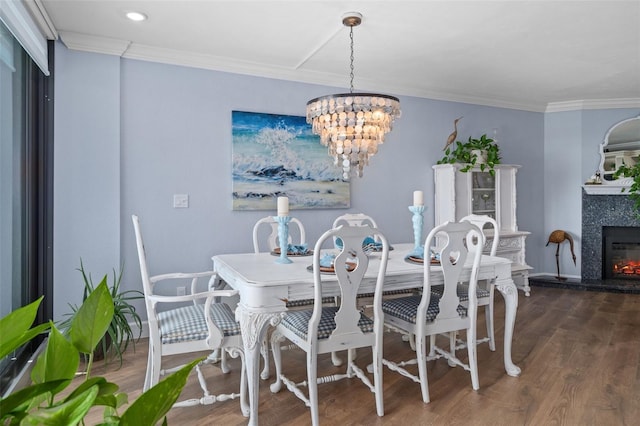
406	308
463	292
298	322
188	323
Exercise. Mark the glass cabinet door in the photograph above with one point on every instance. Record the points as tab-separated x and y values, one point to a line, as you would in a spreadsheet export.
483	194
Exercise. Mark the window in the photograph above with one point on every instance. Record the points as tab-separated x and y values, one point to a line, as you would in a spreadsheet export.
26	191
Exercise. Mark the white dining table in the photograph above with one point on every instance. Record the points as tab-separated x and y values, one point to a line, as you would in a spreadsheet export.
265	287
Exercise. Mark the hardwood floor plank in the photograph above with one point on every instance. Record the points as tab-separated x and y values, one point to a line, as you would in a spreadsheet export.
579	352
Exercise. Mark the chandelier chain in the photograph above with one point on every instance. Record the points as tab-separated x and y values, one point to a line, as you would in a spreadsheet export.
351	58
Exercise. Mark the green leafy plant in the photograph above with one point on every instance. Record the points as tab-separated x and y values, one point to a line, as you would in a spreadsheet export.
467	153
43	401
634	190
119	333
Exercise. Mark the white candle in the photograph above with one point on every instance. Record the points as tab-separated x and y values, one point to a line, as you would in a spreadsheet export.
418	198
283	206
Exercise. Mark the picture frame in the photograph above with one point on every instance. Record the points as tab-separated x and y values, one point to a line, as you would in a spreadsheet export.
278	155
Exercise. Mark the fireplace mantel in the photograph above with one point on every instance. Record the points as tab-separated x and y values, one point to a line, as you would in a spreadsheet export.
606	189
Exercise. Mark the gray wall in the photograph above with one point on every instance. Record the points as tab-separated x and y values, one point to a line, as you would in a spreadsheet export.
571	156
130	134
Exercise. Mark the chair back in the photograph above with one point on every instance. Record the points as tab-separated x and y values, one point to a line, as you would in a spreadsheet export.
454	253
142	259
355	219
480	221
272	239
350	265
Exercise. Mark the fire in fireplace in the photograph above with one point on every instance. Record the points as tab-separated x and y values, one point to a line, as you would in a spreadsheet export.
621	252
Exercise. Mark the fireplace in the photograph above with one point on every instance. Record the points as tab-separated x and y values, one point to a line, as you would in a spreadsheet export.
601	214
621	252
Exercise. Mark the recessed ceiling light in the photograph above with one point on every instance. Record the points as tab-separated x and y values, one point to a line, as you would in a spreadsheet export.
136	16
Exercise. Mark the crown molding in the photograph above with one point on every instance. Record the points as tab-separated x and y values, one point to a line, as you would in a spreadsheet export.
89	43
126	49
593	104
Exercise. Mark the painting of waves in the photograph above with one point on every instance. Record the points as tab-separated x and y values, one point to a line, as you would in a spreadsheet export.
278	155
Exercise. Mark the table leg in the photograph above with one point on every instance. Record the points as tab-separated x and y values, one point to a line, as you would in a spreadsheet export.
254	327
510	294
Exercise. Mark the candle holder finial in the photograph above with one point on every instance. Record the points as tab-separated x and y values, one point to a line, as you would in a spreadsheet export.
283	237
417	220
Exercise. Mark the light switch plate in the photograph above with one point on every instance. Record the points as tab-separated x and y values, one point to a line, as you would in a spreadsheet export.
180	201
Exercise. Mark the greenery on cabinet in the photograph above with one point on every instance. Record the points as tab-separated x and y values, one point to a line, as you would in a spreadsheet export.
469	153
632	172
119	333
44	402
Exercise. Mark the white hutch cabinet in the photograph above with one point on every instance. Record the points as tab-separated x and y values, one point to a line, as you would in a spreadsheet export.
458	194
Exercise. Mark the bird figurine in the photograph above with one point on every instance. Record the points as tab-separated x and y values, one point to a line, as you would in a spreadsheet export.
452	137
559	236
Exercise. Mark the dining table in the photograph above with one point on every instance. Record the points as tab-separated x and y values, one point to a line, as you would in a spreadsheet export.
265	287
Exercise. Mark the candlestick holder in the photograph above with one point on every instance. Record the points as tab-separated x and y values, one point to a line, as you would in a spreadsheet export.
283	237
417	220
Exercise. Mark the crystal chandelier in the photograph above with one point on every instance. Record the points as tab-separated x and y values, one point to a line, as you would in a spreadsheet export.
352	124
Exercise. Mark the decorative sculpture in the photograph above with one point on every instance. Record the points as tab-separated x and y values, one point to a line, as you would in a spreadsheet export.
559	236
452	137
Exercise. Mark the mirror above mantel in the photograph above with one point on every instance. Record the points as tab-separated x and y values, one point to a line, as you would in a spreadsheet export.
621	145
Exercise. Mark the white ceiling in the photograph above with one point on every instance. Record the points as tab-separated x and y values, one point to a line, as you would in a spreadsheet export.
517	54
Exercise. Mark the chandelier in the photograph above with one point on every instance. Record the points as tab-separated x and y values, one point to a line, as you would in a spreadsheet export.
352	125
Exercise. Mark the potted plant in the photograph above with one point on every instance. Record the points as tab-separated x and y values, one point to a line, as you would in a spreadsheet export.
632	172
48	401
119	333
483	152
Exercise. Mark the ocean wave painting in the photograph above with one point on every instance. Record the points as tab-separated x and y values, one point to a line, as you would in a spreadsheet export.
278	155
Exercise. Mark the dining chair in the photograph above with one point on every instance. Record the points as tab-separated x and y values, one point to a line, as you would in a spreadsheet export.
190	323
485	286
427	314
272	241
324	329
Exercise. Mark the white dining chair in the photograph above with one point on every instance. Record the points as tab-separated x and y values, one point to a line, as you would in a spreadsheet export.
188	324
267	228
485	286
325	329
429	315
272	241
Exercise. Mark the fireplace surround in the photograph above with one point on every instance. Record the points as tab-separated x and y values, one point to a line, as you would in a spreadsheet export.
599	211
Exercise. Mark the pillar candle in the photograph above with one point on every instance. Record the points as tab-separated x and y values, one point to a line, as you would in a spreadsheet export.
283	206
418	198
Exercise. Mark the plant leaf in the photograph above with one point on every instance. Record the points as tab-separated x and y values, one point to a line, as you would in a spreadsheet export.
152	405
68	413
19	400
106	391
15	327
59	360
92	319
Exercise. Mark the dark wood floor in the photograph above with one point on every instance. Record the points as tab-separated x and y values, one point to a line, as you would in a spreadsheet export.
579	352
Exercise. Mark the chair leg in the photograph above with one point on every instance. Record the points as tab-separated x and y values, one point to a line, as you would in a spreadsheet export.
377	376
276	338
421	349
452	347
154	371
473	359
488	313
148	375
312	383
